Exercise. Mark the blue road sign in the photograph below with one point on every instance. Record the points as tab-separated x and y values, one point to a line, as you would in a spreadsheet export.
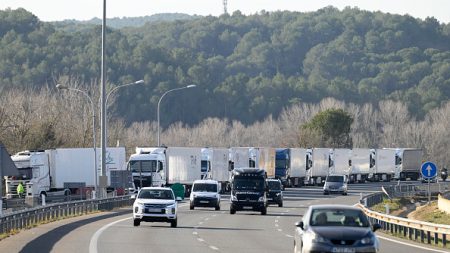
428	170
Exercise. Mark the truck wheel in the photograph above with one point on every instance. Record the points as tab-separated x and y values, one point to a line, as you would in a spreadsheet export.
191	206
173	223
232	210
264	211
136	222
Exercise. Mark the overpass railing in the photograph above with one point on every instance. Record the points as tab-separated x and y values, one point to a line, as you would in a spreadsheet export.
33	216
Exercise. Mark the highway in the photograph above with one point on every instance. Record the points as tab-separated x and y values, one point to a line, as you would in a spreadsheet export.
199	230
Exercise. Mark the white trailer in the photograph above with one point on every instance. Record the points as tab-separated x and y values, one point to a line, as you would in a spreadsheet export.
320	166
299	162
183	165
266	160
360	160
219	166
239	157
61	170
341	161
384	164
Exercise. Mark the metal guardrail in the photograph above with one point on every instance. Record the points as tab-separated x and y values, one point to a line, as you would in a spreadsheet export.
33	216
425	232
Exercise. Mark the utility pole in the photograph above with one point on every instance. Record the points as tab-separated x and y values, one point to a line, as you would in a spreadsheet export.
225	7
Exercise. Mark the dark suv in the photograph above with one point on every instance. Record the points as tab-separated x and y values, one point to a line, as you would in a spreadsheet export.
275	194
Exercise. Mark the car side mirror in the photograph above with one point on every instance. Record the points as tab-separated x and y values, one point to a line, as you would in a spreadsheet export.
133	196
300	224
375	227
178	199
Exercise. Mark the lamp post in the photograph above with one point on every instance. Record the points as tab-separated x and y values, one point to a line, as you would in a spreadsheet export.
63	87
106	102
159	102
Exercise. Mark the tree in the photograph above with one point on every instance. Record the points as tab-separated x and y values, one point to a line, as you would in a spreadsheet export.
333	126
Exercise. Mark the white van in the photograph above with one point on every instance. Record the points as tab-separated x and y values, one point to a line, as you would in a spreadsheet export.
205	193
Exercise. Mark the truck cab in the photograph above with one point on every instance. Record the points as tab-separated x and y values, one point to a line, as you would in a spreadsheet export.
282	162
248	190
148	166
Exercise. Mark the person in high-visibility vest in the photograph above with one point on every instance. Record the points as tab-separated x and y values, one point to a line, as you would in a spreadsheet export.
20	190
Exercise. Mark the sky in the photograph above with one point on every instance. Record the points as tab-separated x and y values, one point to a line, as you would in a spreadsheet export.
56	10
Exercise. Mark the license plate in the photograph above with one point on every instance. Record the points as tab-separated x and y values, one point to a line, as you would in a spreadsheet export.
247	207
343	250
204	201
153	210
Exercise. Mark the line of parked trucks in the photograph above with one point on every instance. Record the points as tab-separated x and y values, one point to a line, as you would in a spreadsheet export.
63	171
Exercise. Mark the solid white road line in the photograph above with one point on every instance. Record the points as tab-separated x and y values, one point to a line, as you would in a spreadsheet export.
94	238
411	245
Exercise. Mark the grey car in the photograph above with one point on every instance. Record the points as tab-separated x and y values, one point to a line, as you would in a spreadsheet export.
335	184
335	228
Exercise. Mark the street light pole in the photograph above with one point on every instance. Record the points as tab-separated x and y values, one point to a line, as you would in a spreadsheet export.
102	97
106	102
63	87
159	102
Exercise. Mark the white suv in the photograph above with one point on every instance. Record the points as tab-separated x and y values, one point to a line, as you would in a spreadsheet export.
155	204
205	193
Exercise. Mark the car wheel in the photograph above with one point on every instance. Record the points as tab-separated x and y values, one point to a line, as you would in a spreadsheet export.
174	223
136	222
280	204
325	193
232	210
191	206
345	193
264	211
218	207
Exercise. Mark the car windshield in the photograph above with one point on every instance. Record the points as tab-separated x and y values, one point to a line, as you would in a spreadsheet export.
338	179
155	194
338	218
274	185
205	188
249	183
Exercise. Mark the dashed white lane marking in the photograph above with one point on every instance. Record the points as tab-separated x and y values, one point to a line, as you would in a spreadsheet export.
280	230
276	225
276	220
290	236
200	223
206	219
194	233
200	239
213	247
214	215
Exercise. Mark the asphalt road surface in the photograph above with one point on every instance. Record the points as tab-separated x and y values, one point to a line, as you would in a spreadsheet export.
199	230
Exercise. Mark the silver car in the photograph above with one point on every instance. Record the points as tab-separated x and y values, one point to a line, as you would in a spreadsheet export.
335	184
335	228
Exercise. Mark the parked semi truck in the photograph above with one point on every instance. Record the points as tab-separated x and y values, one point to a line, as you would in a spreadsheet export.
265	159
384	164
291	166
166	166
60	171
340	164
361	165
407	163
321	163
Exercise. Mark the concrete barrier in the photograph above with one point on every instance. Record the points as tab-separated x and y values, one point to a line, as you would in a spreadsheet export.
444	202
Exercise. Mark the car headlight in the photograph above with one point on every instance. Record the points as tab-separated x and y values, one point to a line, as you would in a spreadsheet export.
171	209
261	199
367	240
138	207
315	238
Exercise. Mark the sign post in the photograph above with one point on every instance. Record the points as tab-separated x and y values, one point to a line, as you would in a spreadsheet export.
428	171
